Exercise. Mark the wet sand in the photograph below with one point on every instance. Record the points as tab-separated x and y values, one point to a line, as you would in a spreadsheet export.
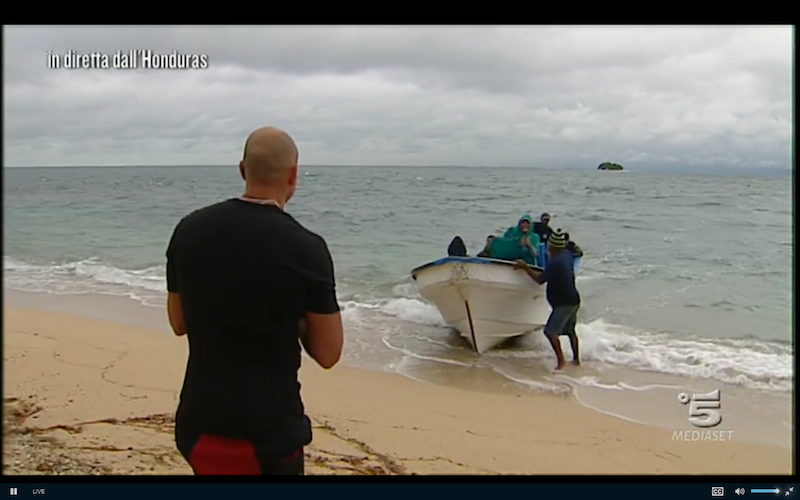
83	396
759	417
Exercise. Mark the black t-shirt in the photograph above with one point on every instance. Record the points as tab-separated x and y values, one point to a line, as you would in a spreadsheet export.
247	274
542	230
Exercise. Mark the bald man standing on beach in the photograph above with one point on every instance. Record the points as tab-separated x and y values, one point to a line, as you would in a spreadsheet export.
245	281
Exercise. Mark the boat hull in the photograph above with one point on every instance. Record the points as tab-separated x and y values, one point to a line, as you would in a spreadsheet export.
486	300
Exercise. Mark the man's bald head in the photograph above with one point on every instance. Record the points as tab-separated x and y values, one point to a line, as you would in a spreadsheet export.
270	155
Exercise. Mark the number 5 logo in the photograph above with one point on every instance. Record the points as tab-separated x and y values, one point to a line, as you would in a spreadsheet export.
703	408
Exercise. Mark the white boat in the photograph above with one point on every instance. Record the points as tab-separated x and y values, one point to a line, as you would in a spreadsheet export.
486	300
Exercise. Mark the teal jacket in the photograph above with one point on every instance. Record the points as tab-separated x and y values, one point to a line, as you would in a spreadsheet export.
510	246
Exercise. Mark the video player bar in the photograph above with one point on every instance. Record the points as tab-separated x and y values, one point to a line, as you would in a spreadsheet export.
378	487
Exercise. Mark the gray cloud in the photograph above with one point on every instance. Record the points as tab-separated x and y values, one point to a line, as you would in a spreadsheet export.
527	96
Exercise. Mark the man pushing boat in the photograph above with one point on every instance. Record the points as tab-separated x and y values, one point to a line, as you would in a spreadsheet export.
562	295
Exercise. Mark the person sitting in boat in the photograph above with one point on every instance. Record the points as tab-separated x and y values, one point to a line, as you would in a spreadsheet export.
487	252
518	242
542	228
457	248
572	247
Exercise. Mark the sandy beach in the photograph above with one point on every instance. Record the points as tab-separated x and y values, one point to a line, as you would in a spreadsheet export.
84	396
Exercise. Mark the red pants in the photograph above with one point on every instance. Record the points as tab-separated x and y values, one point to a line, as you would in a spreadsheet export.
212	455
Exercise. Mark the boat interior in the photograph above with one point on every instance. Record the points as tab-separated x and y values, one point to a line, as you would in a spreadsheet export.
482	260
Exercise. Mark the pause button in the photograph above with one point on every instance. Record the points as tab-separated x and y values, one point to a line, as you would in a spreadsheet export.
12	491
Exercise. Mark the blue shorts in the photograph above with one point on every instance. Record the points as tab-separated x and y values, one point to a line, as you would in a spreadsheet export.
562	321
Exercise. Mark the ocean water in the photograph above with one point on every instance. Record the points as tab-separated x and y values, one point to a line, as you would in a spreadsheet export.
684	276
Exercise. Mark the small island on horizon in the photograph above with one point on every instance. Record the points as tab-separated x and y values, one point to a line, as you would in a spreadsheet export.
610	166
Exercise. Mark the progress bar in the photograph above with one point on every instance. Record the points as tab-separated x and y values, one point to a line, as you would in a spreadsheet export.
764	490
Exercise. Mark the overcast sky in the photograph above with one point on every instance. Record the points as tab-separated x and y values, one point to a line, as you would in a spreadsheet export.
518	96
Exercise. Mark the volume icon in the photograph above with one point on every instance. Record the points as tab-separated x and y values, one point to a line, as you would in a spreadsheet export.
739	491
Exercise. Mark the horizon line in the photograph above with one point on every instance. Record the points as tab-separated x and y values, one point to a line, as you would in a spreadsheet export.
788	168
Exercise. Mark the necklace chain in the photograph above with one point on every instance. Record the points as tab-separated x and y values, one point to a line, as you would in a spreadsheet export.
272	202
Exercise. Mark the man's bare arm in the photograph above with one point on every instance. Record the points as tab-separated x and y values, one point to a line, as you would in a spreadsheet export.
322	336
321	330
175	313
535	275
174	302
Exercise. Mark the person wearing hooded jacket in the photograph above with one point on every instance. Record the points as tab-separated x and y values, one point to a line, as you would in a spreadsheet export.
518	242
